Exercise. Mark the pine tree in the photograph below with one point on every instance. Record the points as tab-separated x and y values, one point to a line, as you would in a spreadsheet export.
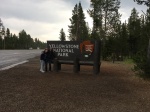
124	40
82	27
62	35
105	16
111	16
147	20
14	42
105	21
121	41
30	41
73	26
96	13
22	39
78	29
134	27
146	2
142	57
7	39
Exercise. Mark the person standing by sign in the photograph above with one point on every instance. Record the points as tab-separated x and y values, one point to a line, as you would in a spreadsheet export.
49	59
42	63
46	59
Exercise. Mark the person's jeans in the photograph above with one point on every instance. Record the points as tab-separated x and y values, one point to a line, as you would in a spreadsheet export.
42	65
48	64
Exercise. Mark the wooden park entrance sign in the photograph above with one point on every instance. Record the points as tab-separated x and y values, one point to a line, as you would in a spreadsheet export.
76	53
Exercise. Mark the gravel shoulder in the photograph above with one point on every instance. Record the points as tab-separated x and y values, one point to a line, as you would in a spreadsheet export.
116	89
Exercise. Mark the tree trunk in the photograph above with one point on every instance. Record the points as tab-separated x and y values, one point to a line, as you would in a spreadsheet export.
148	53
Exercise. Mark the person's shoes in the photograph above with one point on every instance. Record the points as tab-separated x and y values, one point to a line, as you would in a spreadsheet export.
42	71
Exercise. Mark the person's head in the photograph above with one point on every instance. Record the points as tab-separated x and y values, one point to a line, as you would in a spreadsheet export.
46	50
49	49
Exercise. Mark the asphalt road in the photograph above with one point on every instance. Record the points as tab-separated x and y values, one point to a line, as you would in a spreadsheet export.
10	57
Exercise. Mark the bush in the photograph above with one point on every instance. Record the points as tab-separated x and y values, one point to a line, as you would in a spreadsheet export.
142	66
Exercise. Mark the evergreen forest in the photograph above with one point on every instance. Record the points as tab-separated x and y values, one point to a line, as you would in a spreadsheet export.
22	41
119	40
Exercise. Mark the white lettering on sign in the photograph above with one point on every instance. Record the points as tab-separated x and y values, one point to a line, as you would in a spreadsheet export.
63	49
63	54
61	46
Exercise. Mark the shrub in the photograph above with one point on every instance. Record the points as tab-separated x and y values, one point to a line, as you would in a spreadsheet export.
142	66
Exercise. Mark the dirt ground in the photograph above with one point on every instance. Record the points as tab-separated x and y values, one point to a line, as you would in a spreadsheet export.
116	89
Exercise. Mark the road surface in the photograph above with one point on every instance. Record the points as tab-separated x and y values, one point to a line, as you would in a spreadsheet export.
13	57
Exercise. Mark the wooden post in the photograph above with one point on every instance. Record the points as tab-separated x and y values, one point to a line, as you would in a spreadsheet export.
96	66
76	66
56	68
59	66
148	53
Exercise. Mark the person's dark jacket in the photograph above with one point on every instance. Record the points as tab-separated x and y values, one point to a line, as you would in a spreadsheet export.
49	56
52	55
46	56
42	57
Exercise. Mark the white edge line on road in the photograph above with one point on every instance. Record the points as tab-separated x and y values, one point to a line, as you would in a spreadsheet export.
13	65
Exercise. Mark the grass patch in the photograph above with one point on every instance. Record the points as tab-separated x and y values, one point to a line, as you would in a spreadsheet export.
128	61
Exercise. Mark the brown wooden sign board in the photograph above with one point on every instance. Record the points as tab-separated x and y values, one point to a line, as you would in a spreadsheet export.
85	52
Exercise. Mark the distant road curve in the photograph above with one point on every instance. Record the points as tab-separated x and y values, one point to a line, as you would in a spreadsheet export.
9	58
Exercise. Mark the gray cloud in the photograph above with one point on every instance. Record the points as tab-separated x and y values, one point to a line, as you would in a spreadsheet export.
127	6
130	4
37	10
49	11
40	18
85	3
30	10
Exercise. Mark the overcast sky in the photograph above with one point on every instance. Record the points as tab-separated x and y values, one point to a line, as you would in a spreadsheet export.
44	19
